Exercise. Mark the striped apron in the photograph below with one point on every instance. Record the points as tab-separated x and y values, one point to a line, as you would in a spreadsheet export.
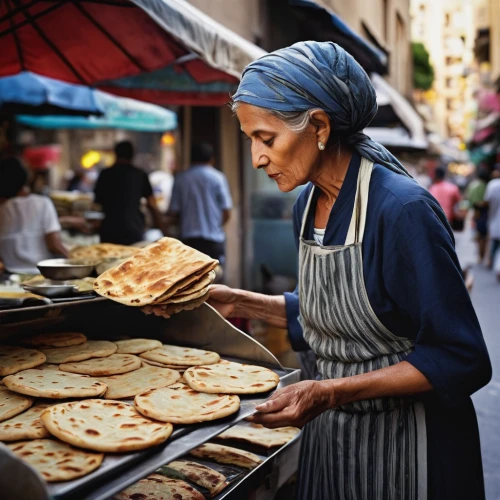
367	450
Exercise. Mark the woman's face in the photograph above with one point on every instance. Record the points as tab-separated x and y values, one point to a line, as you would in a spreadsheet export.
290	159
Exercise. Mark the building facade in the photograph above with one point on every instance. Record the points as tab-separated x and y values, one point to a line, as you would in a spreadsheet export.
260	209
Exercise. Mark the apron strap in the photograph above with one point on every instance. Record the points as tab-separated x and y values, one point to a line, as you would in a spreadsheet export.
306	211
358	219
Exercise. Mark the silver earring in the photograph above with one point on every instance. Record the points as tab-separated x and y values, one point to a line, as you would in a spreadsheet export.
321	146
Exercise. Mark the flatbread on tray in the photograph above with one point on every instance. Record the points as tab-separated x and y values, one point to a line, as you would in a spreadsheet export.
88	350
27	425
145	378
202	475
231	378
54	384
104	425
260	435
227	455
136	346
154	274
115	364
183	356
179	368
63	339
158	487
12	403
57	461
179	404
15	359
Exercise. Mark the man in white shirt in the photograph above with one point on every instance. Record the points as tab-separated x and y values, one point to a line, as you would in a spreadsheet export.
29	227
492	197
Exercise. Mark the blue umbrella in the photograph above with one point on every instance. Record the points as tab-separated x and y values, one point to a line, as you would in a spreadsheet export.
119	112
28	92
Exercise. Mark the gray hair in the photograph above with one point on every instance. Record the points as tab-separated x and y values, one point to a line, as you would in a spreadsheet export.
296	121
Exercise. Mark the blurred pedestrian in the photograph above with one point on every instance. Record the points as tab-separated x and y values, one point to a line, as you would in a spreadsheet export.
201	203
119	190
475	196
492	198
446	193
29	227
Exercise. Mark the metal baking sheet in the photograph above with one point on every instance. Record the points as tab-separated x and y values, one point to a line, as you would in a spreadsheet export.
119	471
102	319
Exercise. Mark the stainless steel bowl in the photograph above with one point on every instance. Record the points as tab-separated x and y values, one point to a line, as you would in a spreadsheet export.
66	269
49	288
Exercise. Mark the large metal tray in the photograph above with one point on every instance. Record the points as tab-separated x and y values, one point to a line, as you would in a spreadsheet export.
203	327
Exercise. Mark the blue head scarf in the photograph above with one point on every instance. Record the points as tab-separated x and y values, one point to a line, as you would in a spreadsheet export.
322	75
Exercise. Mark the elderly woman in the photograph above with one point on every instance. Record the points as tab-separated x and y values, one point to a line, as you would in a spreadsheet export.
380	298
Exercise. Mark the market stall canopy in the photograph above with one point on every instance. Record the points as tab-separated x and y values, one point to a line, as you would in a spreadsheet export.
209	42
397	123
89	42
119	112
28	92
328	27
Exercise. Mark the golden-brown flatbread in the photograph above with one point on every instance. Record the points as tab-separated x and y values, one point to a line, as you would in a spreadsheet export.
154	273
202	475
27	425
136	346
145	378
183	356
57	461
14	359
179	404
103	250
104	425
231	378
63	339
260	435
12	403
158	487
115	364
226	455
88	350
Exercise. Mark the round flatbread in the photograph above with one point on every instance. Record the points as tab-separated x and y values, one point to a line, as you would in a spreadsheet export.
227	455
15	359
57	461
158	487
184	356
27	425
104	425
202	283
47	366
260	435
231	378
145	378
179	404
103	367
54	384
12	404
179	368
136	346
88	350
202	475
64	339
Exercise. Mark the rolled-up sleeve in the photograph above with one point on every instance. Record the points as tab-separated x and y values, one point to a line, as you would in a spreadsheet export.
423	277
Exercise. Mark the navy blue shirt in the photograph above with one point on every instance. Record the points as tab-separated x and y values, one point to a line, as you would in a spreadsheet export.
412	277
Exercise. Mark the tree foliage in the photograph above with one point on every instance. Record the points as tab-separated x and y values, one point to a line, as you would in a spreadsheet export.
423	72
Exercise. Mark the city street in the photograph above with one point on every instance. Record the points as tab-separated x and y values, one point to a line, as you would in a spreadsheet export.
486	299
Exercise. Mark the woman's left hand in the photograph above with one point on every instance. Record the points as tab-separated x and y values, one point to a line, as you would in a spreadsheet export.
295	404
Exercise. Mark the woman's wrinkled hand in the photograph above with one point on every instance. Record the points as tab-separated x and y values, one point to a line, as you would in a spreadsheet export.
295	405
223	299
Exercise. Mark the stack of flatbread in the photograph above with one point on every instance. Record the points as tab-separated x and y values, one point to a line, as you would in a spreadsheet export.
167	274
